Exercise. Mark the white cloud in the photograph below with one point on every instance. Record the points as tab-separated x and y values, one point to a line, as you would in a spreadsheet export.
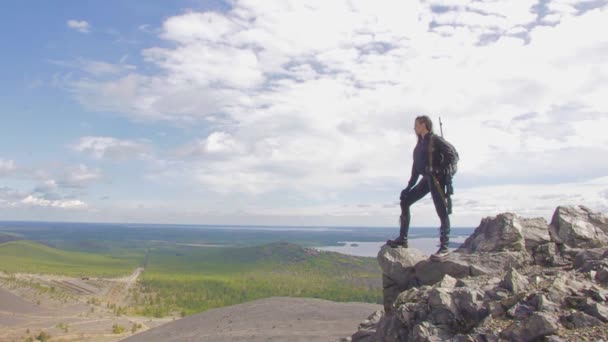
31	200
12	198
111	148
320	97
81	26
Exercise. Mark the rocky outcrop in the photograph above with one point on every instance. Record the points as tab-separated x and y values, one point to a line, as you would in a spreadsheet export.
398	272
579	227
514	279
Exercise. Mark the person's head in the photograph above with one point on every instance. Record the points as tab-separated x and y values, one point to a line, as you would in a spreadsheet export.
423	125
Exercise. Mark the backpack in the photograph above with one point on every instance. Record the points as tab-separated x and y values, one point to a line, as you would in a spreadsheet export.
449	152
453	162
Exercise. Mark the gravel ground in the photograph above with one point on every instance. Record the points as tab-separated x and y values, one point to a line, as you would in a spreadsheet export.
270	319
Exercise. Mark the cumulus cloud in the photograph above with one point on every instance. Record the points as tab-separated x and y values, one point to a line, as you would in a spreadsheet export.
81	26
31	200
319	97
110	148
12	198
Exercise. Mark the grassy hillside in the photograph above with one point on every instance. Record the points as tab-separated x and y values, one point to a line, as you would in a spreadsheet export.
191	280
31	257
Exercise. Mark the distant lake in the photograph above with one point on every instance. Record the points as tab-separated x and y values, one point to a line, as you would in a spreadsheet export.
426	245
362	241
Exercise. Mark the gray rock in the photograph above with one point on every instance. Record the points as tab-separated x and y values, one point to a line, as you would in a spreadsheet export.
496	234
398	272
593	262
575	302
547	254
428	332
362	336
597	310
578	320
429	272
389	329
554	338
471	306
602	276
597	294
514	282
538	325
578	226
450	310
486	338
372	321
459	265
541	303
442	309
564	285
390	290
520	311
398	263
448	282
508	302
411	306
496	309
583	261
535	232
463	338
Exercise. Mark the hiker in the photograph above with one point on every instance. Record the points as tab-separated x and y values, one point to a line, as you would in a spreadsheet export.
436	173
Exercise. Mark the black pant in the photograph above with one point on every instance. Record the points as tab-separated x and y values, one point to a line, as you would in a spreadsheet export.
423	187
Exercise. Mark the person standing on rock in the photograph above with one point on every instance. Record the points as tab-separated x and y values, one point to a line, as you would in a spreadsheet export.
435	160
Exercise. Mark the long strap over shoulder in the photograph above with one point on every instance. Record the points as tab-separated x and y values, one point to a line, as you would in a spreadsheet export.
433	178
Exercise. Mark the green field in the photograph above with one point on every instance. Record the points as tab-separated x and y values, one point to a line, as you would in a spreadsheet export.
31	257
191	280
184	280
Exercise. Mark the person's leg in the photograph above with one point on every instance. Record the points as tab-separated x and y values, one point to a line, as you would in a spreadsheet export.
407	199
441	209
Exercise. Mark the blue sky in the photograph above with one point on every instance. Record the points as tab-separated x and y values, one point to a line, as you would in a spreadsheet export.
279	112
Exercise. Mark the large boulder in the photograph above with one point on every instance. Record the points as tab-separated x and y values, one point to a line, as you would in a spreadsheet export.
507	232
496	234
398	273
538	325
396	263
438	312
579	227
535	232
461	265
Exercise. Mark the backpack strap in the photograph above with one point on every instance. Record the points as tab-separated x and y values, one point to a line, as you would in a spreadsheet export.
431	147
445	199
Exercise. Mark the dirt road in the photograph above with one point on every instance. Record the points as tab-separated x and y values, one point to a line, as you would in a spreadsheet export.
67	312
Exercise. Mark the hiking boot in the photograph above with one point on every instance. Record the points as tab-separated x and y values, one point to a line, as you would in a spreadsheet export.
443	250
401	241
398	242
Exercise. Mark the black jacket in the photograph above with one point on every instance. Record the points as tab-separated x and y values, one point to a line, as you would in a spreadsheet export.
441	155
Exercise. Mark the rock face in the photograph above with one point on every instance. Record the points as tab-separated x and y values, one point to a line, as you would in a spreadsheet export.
579	227
514	279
